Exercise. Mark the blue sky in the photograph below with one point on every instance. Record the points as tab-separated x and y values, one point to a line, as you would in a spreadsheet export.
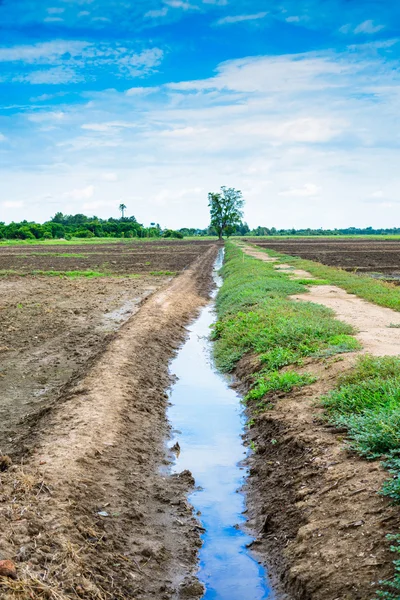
155	103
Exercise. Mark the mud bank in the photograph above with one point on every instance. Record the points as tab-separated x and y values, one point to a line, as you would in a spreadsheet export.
90	514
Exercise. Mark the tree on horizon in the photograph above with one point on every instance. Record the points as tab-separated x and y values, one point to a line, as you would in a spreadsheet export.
122	208
226	210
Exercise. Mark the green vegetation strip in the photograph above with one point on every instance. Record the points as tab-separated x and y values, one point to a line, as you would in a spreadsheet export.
379	292
256	316
86	274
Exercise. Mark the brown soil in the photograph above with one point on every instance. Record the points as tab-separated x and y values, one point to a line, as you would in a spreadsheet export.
51	331
93	512
364	255
121	257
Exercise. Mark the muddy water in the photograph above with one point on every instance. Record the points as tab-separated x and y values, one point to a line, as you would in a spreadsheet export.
207	419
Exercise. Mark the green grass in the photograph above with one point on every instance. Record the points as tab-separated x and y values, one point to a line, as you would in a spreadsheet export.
70	274
275	381
73	274
376	291
162	273
366	402
96	240
256	315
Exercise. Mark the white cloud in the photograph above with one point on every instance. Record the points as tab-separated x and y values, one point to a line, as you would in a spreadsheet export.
54	76
276	74
67	61
181	4
368	27
155	14
55	10
13	204
110	126
53	20
241	18
2	138
109	176
46	116
308	190
42	53
80	193
141	91
95	205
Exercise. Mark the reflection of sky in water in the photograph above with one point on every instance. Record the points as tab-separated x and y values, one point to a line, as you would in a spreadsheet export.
207	413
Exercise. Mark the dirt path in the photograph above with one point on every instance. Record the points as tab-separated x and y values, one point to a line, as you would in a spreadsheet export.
322	524
378	327
91	514
373	323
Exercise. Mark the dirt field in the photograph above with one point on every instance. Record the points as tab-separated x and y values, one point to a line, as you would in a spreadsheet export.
364	255
86	510
122	257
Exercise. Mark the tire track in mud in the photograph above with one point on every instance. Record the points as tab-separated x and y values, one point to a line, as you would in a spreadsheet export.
91	514
316	505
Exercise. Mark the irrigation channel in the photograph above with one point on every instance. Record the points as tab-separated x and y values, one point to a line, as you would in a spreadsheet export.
207	421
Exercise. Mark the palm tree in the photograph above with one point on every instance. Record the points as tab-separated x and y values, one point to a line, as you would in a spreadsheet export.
122	208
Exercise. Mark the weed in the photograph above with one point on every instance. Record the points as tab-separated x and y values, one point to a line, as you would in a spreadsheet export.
276	381
162	273
72	274
392	591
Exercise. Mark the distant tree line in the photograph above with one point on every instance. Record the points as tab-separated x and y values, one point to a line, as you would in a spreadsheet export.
80	226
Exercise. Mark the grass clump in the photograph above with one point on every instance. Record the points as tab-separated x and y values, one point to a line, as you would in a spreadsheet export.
367	403
72	274
256	315
163	273
278	382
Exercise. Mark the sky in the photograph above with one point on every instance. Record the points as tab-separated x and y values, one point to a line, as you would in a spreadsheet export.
155	103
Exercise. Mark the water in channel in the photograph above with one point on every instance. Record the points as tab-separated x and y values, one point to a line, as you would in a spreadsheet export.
207	417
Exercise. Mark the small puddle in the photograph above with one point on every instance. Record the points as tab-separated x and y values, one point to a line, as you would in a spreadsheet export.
207	417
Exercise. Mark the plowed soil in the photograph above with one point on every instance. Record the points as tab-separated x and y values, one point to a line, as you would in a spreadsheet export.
88	508
364	255
128	257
